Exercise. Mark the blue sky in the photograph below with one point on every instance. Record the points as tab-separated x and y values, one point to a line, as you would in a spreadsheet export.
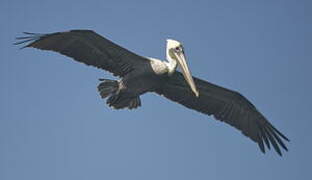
53	124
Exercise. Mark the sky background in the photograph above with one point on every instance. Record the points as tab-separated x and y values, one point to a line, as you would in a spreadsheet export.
55	126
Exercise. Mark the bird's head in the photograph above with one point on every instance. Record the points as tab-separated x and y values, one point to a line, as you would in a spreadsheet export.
175	52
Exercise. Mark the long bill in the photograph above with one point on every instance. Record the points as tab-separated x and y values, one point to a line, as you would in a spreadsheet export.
186	72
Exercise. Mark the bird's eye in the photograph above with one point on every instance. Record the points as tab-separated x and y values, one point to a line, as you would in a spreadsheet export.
177	48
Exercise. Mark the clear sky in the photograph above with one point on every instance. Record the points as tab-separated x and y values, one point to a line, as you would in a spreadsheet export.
54	126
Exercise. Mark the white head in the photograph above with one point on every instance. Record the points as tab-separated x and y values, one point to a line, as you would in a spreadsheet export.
175	53
173	43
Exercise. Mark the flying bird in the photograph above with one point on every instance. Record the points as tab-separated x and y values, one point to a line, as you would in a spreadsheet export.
140	75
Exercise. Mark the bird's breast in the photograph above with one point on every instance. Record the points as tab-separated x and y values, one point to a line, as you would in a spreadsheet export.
159	67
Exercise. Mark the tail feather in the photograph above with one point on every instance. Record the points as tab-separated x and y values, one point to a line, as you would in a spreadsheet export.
135	103
117	100
122	103
107	87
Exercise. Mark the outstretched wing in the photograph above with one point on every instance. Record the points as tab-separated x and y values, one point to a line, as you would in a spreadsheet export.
87	47
225	105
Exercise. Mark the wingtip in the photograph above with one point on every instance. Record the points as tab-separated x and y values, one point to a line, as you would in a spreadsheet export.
278	132
18	43
262	149
30	33
278	151
25	39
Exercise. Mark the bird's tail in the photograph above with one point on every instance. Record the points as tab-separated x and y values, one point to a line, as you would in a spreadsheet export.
107	87
117	100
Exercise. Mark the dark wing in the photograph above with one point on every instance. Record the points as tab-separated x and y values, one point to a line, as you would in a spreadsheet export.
87	47
225	105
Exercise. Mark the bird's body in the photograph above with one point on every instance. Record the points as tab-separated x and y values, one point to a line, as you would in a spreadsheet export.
147	79
137	82
139	75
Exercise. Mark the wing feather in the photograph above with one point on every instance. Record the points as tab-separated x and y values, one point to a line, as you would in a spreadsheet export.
87	47
225	105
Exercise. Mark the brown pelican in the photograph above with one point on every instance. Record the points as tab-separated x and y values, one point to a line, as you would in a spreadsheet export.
140	75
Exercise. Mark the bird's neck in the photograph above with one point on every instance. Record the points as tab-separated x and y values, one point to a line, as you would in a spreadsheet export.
171	64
